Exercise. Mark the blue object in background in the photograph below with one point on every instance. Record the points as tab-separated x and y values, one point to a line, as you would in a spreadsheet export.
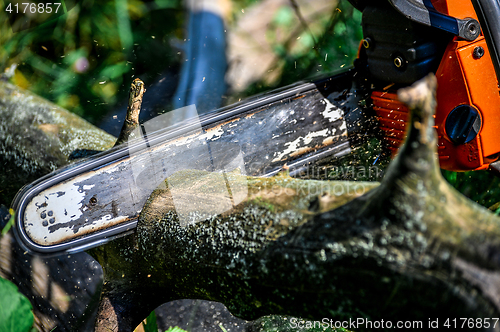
202	74
201	78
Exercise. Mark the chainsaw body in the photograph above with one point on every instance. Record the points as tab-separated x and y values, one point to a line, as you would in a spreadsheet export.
397	51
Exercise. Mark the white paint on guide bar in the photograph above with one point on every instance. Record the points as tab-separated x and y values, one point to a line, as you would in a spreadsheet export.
332	113
66	201
298	143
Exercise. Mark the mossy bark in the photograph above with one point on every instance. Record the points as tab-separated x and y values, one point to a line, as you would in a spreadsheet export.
37	137
409	248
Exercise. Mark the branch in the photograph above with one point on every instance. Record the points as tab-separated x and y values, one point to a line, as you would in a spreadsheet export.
136	93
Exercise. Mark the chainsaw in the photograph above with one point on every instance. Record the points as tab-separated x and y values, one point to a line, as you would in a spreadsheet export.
93	201
460	42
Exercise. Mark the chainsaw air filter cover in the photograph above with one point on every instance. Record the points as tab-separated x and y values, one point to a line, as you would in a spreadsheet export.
463	124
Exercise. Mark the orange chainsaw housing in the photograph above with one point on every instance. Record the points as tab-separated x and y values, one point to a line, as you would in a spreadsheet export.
463	79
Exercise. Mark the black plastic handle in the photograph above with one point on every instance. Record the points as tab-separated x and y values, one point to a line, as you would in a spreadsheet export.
422	11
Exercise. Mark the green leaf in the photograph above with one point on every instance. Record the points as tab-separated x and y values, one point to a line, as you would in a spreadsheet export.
150	324
222	328
284	16
450	176
175	329
114	71
340	28
167	3
16	313
497	211
74	55
9	224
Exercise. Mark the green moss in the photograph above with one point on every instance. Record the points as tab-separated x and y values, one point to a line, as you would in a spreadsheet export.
259	201
37	137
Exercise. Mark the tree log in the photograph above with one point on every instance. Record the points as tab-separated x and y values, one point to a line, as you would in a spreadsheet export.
410	248
37	137
290	247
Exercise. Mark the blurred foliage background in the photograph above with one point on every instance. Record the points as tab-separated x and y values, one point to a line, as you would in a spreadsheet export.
85	59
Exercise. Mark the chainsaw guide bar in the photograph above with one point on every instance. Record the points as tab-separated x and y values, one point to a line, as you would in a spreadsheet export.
88	203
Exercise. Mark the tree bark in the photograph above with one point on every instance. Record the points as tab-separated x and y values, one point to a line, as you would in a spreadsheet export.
37	137
410	248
